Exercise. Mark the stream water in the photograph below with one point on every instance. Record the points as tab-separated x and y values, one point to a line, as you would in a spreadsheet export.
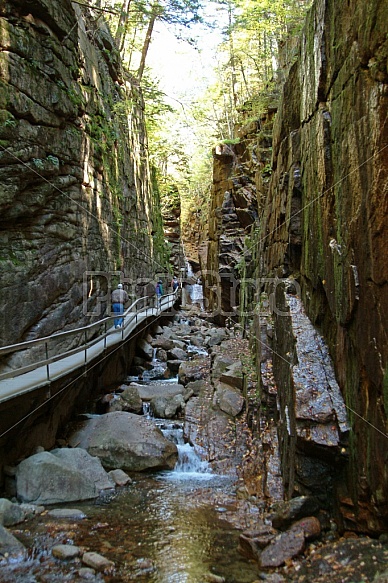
166	527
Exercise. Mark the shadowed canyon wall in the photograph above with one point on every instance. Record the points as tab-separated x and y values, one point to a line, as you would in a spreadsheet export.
76	201
323	222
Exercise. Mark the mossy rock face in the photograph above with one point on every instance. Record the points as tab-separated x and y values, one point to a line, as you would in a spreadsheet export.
323	219
72	215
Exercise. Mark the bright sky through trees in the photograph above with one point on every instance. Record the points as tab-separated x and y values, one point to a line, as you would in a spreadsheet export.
182	69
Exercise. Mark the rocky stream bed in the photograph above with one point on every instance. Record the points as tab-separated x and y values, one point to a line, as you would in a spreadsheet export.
169	479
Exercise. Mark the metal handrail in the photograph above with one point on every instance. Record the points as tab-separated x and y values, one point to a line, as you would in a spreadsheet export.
146	300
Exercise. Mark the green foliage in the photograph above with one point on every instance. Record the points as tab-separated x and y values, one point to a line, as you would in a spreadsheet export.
53	160
231	141
10	123
38	163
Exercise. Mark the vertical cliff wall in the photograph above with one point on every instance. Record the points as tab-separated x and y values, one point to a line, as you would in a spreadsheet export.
325	221
76	203
232	212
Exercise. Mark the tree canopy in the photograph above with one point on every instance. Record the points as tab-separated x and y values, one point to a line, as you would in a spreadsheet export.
247	68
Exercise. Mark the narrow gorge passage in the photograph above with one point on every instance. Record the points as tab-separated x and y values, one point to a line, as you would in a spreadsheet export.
199	521
225	166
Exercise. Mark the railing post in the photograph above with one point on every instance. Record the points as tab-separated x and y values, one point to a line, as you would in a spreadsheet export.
47	365
86	351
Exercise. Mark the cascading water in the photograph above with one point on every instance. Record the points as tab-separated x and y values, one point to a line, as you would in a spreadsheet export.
189	464
147	410
196	291
163	527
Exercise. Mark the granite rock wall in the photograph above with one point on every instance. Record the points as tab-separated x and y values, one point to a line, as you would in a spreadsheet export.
325	223
76	203
320	180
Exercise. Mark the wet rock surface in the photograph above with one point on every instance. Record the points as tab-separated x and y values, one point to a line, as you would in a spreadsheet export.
126	441
63	475
284	540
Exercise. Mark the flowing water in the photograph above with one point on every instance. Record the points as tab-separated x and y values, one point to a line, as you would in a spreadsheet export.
166	527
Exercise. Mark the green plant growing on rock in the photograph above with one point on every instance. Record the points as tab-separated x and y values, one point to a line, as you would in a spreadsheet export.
38	163
53	160
10	123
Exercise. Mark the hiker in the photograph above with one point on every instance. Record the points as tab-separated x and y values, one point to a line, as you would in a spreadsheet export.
174	283
159	291
119	299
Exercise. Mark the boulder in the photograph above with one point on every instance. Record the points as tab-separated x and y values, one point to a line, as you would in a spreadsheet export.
10	513
220	363
10	546
126	441
216	336
65	552
180	344
167	407
233	376
288	511
177	354
79	459
310	526
228	399
283	548
173	365
163	343
251	543
131	400
194	370
198	387
161	355
197	341
149	392
97	562
64	475
120	478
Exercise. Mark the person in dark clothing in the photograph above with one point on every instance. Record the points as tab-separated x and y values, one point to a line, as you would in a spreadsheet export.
159	290
174	283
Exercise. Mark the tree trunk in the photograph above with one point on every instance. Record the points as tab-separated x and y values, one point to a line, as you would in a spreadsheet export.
122	25
155	12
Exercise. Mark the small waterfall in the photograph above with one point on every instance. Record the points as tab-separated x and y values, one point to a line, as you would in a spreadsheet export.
189	463
196	291
147	410
191	349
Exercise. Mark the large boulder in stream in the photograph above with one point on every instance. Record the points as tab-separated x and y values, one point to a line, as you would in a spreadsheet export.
167	390
62	475
132	400
167	407
10	546
126	441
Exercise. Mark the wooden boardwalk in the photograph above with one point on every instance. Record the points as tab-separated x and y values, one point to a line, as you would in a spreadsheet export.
41	373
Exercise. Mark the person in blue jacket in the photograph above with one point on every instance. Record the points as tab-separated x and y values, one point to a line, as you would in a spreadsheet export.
119	299
159	290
